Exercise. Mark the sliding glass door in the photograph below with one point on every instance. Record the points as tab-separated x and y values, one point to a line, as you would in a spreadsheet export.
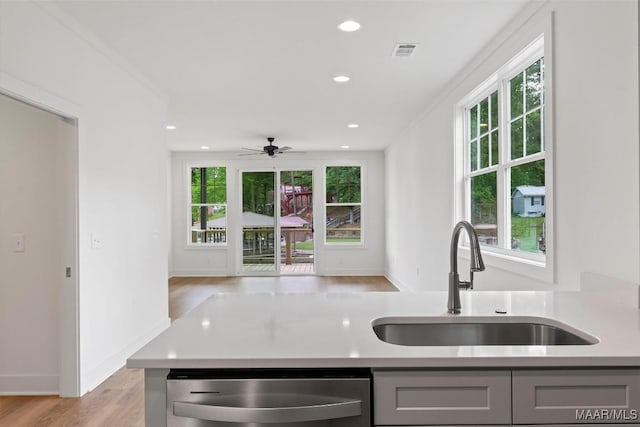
277	222
296	222
259	228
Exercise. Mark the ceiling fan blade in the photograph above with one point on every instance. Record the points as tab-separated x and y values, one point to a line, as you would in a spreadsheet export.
291	152
271	150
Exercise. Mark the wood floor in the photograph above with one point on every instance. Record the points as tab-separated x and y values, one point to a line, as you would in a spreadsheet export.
119	401
185	293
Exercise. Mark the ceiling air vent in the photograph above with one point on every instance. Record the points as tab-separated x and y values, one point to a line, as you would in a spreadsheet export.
404	50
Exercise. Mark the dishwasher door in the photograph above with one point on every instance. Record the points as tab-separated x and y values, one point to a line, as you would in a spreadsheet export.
269	398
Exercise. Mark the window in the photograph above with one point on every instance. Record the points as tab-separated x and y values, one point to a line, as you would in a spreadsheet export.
504	155
208	206
343	204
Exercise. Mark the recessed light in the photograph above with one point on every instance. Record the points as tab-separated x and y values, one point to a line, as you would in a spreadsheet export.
349	26
204	147
171	127
341	79
353	125
344	147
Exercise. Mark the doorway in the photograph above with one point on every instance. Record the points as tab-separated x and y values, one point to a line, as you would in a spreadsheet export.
38	181
296	222
277	222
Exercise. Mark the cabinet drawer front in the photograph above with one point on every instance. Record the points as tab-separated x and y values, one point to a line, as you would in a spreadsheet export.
576	396
442	397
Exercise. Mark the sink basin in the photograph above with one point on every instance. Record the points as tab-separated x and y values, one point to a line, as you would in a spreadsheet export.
463	331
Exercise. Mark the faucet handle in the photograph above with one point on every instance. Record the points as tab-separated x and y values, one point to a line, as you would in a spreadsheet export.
469	284
465	285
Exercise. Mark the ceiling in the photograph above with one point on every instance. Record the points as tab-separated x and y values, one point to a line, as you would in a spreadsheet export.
236	72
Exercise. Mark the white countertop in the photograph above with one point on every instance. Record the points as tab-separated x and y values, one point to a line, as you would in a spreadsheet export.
334	330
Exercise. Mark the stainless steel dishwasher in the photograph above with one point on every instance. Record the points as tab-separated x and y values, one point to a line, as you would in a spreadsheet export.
269	397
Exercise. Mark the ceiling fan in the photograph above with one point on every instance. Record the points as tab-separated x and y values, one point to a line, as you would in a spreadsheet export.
270	150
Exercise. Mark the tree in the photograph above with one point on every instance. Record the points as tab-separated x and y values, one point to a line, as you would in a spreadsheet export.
257	192
343	184
484	198
528	174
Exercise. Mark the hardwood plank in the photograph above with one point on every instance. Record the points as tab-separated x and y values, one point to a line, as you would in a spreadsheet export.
119	401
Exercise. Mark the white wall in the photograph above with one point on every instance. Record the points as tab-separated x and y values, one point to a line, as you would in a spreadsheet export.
122	191
595	71
330	260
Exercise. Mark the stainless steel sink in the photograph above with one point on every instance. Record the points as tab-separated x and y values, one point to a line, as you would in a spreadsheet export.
463	331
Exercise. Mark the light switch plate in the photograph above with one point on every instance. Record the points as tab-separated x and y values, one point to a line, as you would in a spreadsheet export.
18	242
96	241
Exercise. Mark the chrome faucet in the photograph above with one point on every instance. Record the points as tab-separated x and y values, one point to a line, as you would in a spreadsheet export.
453	305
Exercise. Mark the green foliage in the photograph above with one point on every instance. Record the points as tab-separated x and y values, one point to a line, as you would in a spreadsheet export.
517	139
528	174
526	232
343	184
208	187
534	136
306	245
484	199
298	178
526	95
483	119
483	187
257	192
214	189
343	239
517	90
534	84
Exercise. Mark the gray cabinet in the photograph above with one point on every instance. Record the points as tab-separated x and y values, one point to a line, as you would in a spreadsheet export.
559	397
576	396
442	397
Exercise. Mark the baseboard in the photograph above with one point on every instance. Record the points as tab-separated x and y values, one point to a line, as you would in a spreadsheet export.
350	272
201	273
402	287
29	385
225	273
108	367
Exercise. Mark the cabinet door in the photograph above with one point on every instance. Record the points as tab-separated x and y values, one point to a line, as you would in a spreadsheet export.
442	397
576	396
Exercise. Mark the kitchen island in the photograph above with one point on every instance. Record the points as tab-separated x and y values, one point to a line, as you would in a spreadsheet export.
335	330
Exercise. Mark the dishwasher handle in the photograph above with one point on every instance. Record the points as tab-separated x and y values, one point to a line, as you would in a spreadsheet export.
291	414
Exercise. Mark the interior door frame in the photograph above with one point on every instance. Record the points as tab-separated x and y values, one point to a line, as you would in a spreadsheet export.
277	240
69	305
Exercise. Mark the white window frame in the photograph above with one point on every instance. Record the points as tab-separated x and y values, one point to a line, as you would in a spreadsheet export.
189	206
536	266
361	243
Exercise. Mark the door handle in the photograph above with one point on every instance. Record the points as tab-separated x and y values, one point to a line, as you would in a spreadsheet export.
291	414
